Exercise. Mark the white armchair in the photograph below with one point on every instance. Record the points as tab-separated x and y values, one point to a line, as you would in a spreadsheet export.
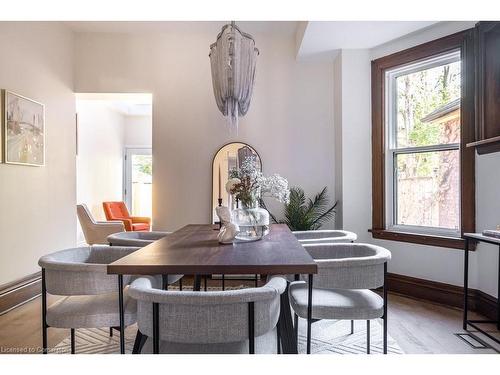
96	232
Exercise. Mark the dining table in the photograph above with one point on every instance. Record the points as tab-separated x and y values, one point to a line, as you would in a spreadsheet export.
195	250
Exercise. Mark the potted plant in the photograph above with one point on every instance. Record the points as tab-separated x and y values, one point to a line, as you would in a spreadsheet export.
303	213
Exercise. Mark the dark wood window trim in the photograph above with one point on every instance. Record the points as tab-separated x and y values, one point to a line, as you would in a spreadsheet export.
464	41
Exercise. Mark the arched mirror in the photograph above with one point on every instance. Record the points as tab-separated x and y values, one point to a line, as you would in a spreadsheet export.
229	157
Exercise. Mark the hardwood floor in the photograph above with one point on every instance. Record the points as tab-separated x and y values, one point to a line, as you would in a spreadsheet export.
418	327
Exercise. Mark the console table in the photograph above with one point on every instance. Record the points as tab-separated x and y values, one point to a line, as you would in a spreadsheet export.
478	237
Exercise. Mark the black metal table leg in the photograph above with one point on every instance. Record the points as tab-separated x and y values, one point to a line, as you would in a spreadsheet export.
288	341
197	283
164	281
140	340
466	283
122	314
44	314
278	350
309	312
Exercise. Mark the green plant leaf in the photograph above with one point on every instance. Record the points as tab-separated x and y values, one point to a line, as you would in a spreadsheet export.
307	214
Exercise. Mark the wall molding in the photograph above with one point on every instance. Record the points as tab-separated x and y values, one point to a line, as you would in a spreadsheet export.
441	293
20	291
23	290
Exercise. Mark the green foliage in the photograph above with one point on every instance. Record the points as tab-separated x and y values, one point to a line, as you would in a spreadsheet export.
419	94
143	164
303	213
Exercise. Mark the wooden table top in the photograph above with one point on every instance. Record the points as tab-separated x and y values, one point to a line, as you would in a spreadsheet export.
194	249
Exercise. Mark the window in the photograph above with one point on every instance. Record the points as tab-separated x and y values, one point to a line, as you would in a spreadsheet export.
423	175
423	146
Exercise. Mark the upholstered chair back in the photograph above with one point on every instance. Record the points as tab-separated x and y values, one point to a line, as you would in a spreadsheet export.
348	265
207	317
138	239
84	215
82	270
115	210
325	236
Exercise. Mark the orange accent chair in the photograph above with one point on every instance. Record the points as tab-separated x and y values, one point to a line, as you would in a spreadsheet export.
118	211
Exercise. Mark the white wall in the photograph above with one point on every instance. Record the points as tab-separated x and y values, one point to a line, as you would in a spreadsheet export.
101	139
138	131
37	204
289	122
356	141
432	263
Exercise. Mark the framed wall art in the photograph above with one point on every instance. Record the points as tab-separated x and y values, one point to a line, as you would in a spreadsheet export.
23	130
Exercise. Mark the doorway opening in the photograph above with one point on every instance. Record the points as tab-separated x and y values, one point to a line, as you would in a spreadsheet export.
114	152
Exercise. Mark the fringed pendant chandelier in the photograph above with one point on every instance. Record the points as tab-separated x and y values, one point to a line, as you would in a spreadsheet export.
233	58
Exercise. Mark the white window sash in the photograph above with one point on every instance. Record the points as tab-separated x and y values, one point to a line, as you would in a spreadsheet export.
392	151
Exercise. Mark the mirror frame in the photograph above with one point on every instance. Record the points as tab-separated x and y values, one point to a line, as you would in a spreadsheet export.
212	215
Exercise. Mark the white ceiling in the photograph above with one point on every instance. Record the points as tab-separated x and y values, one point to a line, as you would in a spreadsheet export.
131	27
322	37
313	38
127	104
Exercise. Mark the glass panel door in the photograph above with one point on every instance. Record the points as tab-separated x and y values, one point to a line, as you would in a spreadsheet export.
138	181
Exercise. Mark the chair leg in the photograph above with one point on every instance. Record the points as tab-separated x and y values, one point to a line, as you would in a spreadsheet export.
352	327
156	328
180	284
385	308
251	328
72	341
309	312
367	337
122	314
223	282
44	314
205	281
110	331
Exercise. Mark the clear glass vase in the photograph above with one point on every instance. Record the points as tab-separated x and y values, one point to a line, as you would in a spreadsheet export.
253	222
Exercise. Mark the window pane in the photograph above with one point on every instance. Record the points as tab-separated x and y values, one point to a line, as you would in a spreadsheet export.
428	106
142	170
428	190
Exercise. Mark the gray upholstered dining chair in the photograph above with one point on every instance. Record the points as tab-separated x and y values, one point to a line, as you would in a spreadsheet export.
306	237
342	286
139	239
231	321
90	295
325	236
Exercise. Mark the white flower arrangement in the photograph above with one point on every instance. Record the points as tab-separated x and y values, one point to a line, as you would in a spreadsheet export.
248	184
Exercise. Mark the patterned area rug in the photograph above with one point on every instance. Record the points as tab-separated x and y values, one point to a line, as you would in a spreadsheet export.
334	337
328	337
